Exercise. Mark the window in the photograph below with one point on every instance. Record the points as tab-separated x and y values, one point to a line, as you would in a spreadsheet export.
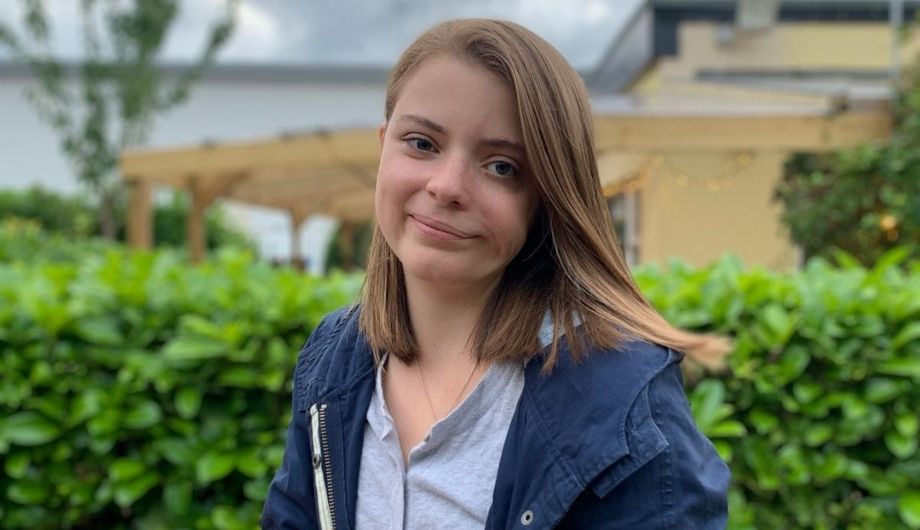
624	209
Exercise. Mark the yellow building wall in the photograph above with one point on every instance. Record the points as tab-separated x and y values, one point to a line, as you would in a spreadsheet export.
790	45
698	206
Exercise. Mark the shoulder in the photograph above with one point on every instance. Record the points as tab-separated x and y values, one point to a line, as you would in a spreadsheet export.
638	450
608	379
334	350
591	406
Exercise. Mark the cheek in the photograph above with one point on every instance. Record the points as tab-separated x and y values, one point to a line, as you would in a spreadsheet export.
511	220
390	188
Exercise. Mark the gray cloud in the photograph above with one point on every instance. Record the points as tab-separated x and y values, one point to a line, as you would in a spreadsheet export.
358	31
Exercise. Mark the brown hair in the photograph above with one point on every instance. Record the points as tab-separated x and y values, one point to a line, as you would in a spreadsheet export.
571	263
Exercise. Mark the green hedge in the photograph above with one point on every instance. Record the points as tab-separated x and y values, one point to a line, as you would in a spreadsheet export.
818	416
76	217
139	392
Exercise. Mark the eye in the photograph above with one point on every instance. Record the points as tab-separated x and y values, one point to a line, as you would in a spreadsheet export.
419	143
503	168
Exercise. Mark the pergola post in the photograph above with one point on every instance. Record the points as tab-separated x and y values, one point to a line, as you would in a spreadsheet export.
297	219
203	194
140	214
195	230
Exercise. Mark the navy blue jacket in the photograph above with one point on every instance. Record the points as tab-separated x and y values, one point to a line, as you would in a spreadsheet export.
606	443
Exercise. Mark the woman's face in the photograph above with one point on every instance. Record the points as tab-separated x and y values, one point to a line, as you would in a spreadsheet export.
454	199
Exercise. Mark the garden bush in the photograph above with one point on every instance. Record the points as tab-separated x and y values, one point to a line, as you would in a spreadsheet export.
77	217
140	392
817	415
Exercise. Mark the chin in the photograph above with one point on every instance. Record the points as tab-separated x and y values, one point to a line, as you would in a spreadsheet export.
439	272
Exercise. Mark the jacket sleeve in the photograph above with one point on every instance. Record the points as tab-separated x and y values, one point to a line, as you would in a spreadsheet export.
290	502
682	482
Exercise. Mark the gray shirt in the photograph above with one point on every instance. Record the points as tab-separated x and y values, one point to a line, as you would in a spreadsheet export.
451	474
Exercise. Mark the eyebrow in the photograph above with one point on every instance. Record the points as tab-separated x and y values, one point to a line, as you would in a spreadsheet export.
490	142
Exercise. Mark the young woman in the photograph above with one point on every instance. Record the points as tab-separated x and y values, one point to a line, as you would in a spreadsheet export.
502	370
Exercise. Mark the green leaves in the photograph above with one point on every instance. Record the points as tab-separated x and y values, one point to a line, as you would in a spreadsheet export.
212	467
28	428
194	349
820	407
188	402
711	412
181	423
138	391
128	492
903	367
143	415
28	492
909	509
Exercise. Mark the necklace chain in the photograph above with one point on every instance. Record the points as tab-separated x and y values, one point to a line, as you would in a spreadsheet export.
421	380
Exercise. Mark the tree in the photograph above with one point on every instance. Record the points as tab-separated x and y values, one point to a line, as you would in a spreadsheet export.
119	86
864	200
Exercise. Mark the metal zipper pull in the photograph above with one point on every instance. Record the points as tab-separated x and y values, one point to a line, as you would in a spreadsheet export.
322	469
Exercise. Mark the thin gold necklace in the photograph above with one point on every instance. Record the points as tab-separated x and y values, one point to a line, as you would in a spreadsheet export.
421	380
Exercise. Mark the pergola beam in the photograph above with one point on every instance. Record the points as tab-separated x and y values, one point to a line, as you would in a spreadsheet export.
318	151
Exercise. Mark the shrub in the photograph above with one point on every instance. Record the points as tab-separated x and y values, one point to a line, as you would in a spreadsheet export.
76	217
141	392
864	200
817	416
23	240
53	212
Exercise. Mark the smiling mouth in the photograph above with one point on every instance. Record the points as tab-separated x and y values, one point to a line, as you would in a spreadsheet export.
438	230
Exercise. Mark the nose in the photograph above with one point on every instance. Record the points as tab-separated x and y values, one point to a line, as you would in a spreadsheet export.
449	184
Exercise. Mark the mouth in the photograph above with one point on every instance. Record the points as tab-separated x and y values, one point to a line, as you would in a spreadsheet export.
437	229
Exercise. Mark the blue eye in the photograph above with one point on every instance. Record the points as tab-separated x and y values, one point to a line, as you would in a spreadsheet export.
503	168
420	143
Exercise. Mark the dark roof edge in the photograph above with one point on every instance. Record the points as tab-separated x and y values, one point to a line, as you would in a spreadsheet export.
788	5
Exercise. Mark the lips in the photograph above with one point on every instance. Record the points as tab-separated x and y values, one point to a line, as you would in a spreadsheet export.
438	229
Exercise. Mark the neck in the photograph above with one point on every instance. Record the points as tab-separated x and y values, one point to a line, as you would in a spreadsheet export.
443	319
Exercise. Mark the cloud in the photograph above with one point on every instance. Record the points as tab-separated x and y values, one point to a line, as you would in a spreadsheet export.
256	36
354	31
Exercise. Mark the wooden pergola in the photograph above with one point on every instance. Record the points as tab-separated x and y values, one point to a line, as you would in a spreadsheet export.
333	172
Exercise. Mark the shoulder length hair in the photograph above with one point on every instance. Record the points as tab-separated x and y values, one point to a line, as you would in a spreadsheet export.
571	263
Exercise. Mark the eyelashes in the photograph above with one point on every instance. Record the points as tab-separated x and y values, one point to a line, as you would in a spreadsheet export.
419	143
501	167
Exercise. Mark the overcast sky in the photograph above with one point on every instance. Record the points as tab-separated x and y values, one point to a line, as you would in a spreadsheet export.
356	31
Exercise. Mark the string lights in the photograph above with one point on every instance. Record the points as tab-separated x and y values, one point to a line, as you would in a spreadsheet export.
722	178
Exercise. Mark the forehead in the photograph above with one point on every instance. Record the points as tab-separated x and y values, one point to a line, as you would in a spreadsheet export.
446	90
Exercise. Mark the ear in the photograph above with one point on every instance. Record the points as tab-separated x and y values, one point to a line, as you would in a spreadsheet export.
381	132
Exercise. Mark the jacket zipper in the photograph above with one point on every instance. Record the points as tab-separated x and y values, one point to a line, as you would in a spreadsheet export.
322	469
